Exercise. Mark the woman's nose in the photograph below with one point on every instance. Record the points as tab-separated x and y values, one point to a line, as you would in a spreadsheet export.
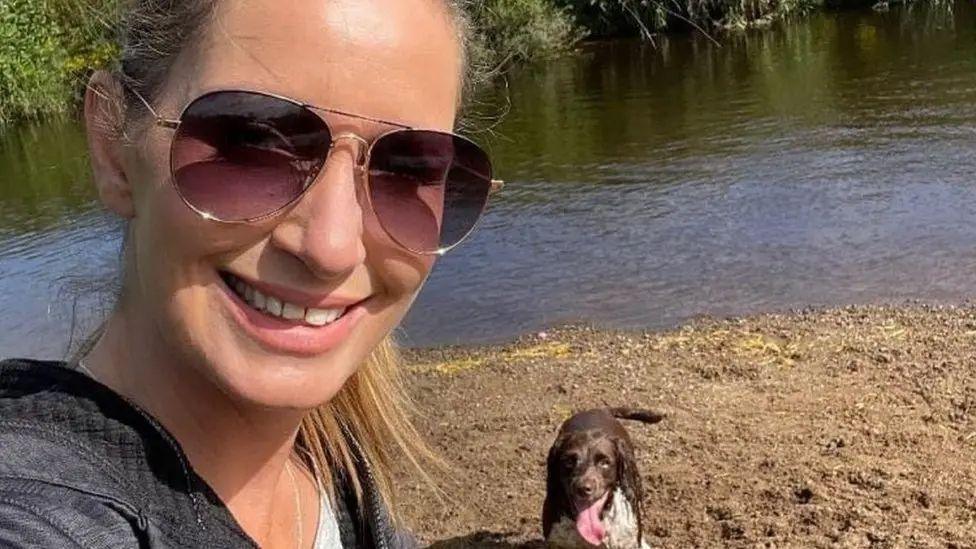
325	229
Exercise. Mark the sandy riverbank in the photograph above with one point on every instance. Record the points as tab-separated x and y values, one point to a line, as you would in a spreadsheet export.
835	428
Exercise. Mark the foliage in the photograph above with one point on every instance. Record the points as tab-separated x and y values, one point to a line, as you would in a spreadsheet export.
618	17
46	46
508	31
645	17
29	43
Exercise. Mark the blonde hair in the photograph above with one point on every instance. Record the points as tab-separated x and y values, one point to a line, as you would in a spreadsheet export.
368	420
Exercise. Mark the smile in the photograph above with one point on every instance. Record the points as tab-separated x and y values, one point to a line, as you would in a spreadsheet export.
279	308
285	320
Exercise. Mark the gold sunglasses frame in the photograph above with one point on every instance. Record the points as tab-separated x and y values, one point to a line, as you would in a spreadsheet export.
496	185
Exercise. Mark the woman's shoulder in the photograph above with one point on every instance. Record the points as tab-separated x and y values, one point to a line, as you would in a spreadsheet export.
57	427
54	489
51	412
52	398
58	424
28	388
40	514
62	430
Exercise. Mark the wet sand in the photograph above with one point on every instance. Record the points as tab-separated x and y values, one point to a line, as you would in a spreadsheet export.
851	427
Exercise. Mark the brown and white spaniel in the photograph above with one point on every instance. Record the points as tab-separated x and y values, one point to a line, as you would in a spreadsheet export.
593	488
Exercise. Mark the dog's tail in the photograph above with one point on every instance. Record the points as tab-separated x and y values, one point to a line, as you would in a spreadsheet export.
636	414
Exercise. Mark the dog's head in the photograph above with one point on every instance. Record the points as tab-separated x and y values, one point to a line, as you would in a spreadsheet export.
585	468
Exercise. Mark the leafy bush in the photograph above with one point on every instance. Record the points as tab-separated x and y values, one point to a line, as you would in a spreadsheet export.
509	31
46	46
618	17
29	46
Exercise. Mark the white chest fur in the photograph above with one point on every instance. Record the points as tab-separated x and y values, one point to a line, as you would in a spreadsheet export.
620	522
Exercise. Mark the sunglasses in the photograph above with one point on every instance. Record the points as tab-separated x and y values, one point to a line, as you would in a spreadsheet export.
242	156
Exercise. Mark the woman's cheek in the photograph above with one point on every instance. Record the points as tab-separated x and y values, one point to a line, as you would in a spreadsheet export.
404	275
400	271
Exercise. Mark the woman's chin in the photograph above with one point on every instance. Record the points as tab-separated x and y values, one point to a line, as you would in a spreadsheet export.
279	385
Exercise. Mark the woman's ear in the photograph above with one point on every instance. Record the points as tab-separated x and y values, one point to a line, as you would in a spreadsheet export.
104	119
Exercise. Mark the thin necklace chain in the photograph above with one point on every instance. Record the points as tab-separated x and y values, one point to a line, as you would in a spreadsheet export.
300	526
298	505
83	368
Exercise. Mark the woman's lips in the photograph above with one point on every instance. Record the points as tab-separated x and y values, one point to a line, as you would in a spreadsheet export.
281	327
273	302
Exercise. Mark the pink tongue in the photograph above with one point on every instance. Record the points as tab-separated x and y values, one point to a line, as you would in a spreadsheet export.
588	522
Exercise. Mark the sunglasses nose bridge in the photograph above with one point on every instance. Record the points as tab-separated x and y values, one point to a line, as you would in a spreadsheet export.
361	151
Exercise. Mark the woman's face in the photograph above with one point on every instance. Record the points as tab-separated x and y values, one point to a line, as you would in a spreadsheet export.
389	59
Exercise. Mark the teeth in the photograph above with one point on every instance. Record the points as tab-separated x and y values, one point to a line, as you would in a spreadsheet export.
292	312
276	307
260	301
321	317
273	306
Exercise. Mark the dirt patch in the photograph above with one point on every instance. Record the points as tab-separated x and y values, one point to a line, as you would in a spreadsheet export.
836	428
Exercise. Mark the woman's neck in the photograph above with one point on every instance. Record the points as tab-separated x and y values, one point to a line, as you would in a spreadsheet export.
240	451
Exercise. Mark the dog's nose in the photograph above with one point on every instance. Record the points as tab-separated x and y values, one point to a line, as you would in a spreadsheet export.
586	488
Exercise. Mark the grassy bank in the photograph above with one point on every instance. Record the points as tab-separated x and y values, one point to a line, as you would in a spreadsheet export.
48	46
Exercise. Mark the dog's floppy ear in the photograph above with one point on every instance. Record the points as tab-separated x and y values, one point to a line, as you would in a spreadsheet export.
555	498
628	477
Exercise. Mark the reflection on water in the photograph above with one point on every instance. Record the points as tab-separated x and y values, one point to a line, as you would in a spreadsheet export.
56	247
826	161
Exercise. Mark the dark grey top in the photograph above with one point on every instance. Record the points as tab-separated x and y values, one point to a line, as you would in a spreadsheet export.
82	467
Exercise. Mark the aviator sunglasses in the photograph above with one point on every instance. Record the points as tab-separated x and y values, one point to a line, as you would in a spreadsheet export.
242	156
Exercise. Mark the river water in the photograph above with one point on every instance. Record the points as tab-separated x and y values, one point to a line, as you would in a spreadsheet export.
826	161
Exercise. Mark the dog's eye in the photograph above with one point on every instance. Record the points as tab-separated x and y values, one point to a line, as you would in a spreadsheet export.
570	461
603	462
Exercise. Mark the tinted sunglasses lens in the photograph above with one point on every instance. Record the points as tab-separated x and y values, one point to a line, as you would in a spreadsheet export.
428	188
242	155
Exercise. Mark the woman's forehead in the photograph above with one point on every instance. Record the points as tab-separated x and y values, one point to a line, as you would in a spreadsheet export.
390	59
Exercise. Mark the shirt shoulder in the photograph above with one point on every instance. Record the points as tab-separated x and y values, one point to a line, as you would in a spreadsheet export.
39	514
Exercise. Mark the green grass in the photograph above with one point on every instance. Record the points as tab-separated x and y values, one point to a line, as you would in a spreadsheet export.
28	43
46	47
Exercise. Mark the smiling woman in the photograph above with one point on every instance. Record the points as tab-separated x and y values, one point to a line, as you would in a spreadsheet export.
288	177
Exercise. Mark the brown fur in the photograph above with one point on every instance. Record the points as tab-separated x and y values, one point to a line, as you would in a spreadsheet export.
592	455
